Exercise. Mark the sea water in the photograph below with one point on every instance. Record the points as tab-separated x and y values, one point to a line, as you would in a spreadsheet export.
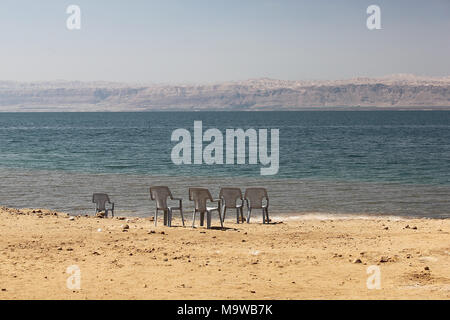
333	163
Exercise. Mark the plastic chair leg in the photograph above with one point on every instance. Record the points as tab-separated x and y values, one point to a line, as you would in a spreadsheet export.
182	217
193	219
221	220
202	219
208	219
169	218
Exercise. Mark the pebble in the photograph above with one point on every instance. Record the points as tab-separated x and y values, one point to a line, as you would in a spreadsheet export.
357	261
71	218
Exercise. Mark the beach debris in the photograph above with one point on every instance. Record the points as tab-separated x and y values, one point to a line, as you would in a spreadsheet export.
95	253
71	218
385	259
125	227
162	232
151	232
3	289
432	259
357	261
427	268
99	230
386	228
59	248
100	214
120	218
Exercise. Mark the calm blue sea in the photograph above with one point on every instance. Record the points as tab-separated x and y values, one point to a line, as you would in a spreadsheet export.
331	162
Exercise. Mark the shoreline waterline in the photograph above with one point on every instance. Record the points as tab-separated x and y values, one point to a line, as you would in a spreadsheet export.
72	192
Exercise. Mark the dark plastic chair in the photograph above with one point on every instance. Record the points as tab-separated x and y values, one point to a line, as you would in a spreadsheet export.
200	196
161	194
100	200
231	198
254	198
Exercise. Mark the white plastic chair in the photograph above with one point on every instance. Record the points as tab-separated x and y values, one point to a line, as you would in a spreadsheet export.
100	200
161	194
254	198
200	196
231	198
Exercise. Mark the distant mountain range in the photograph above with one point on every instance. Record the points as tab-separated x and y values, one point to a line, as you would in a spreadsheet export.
395	91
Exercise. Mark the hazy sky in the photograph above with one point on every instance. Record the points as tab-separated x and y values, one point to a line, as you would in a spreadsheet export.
216	40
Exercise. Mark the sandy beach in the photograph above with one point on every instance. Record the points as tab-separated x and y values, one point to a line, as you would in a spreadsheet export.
299	259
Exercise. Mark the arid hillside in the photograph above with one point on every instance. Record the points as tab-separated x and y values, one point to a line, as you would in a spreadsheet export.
397	91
